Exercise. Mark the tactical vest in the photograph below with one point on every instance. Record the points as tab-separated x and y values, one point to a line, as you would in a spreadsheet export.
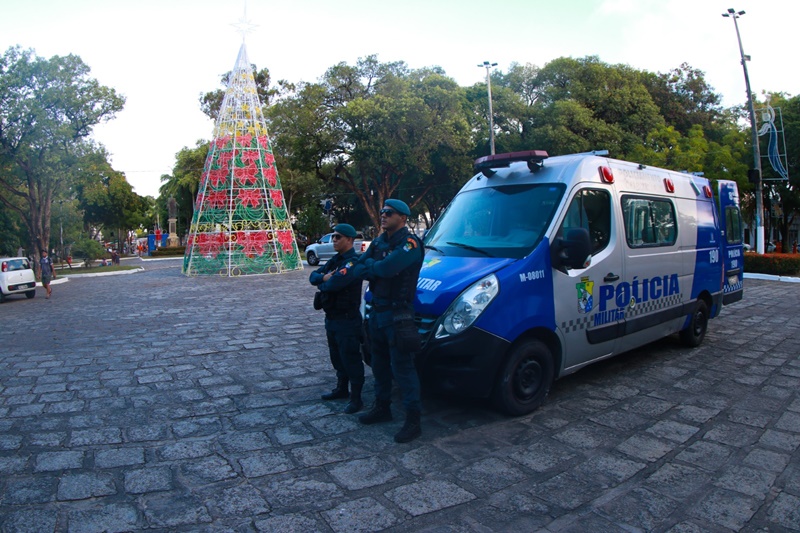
397	291
346	302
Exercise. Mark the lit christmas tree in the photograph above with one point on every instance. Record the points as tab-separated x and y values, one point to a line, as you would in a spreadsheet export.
240	224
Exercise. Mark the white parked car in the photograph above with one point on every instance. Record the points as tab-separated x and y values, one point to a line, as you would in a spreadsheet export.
16	277
323	248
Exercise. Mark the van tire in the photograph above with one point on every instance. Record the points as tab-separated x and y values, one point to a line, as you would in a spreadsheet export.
525	380
30	294
312	258
698	325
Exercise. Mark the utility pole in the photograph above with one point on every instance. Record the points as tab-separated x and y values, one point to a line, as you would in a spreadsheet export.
732	13
488	65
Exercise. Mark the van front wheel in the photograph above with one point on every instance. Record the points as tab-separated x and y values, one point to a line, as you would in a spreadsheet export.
525	380
694	334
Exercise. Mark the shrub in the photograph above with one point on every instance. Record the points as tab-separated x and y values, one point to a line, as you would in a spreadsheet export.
776	264
89	249
168	252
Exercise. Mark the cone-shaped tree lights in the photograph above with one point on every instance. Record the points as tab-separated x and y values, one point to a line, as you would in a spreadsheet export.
240	224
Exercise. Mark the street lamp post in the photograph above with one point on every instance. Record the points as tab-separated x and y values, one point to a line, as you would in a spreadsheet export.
732	13
488	65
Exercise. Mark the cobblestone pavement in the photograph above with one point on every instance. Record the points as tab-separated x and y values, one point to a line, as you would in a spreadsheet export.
157	402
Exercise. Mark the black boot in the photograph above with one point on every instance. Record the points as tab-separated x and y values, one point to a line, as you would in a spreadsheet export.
355	404
411	429
380	412
340	392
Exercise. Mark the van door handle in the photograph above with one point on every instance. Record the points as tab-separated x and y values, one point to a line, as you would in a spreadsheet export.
610	277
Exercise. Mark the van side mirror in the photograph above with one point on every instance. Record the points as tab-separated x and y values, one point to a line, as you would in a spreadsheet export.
573	250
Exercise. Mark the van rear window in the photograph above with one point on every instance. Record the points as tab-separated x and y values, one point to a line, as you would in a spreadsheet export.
649	222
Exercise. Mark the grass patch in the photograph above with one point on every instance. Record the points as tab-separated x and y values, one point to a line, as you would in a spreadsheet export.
94	270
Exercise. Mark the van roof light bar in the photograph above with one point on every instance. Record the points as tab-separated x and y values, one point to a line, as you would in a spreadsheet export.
534	158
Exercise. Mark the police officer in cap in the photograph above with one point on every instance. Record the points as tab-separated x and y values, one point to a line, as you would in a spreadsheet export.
392	264
340	295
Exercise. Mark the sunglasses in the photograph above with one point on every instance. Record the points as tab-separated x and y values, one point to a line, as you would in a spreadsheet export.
388	212
336	236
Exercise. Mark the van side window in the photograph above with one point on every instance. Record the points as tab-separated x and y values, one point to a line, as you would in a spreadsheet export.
590	209
733	223
649	222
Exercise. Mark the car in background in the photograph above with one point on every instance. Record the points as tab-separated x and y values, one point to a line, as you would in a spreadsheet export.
16	277
322	250
768	248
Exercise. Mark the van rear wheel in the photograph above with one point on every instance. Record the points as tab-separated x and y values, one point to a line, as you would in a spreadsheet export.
525	380
694	334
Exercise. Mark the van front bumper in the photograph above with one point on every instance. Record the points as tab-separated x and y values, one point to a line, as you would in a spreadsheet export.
464	364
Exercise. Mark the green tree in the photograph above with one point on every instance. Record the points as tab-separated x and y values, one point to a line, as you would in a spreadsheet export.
376	129
47	111
183	184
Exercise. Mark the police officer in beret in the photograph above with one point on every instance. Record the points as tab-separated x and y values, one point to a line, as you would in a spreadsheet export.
340	298
392	264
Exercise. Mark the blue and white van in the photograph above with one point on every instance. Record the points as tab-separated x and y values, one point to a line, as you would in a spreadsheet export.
542	265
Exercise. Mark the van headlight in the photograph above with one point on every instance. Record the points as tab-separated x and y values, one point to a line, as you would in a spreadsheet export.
466	309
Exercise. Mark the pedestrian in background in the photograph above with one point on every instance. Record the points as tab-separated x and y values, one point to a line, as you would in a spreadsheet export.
339	296
47	271
392	264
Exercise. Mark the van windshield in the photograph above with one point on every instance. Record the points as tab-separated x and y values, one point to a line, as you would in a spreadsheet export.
506	221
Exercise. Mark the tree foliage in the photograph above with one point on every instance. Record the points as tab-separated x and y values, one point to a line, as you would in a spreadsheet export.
379	130
48	108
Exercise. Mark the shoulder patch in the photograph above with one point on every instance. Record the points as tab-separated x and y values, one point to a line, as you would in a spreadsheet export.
411	243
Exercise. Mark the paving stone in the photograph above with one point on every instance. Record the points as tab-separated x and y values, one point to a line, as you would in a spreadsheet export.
491	474
12	465
789	422
778	439
568	490
10	442
299	492
29	490
241	500
749	481
672	430
245	442
646	447
767	460
290	522
185	450
542	456
322	454
428	496
169	510
785	511
609	470
726	508
364	514
265	463
706	455
51	461
118	457
80	486
87	437
30	521
677	481
146	480
363	473
640	508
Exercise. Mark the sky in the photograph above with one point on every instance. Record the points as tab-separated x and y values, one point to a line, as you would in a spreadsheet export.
163	54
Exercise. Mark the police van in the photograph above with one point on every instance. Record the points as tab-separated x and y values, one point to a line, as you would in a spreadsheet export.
542	265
